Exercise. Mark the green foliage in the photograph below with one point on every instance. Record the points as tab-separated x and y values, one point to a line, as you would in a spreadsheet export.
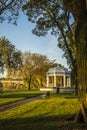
34	69
41	13
10	57
53	16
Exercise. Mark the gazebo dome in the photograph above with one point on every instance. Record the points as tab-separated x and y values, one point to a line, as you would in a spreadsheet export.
58	69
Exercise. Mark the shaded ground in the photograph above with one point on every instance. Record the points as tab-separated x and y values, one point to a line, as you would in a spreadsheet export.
18	103
41	123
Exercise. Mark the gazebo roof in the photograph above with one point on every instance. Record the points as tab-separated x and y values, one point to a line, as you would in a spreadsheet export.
58	69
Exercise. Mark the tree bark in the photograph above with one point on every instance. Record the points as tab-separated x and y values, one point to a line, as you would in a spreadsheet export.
29	82
79	11
82	66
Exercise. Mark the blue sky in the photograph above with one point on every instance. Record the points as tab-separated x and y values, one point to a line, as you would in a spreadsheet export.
21	36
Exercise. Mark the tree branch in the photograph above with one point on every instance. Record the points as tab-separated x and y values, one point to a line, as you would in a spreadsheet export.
6	6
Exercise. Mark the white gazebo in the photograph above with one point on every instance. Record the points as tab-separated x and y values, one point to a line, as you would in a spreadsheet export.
58	77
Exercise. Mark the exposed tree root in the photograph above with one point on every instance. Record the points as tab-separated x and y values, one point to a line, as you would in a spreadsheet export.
81	116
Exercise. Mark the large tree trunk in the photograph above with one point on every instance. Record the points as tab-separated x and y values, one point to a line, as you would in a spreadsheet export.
81	39
82	67
79	11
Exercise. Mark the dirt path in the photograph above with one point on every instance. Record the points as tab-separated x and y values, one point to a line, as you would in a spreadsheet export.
18	103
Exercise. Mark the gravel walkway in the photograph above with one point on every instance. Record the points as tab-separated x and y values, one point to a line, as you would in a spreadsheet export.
18	103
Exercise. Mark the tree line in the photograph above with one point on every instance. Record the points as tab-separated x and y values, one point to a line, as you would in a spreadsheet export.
30	67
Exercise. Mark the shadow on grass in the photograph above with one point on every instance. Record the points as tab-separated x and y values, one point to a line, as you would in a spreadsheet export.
42	123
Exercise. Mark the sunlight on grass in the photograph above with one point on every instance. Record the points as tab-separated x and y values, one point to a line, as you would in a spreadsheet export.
12	96
9	100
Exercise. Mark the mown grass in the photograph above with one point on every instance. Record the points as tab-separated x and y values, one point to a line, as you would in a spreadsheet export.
54	113
13	96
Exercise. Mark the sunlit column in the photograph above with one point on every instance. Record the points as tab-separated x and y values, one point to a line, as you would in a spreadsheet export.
69	81
54	80
47	81
64	81
61	81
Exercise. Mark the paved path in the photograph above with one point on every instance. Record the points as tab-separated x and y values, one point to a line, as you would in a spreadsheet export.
18	103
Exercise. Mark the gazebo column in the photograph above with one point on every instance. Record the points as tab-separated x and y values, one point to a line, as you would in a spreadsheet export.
69	82
47	81
61	81
54	80
64	81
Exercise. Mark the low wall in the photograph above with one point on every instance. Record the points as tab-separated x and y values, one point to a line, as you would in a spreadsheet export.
47	89
67	89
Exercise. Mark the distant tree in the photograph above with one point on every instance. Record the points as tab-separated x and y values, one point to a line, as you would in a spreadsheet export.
10	57
9	11
34	69
43	65
28	68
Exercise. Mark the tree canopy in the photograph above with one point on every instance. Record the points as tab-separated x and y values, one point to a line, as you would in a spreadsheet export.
54	17
34	69
10	57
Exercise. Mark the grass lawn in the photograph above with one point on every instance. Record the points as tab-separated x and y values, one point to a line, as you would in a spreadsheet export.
12	96
54	113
